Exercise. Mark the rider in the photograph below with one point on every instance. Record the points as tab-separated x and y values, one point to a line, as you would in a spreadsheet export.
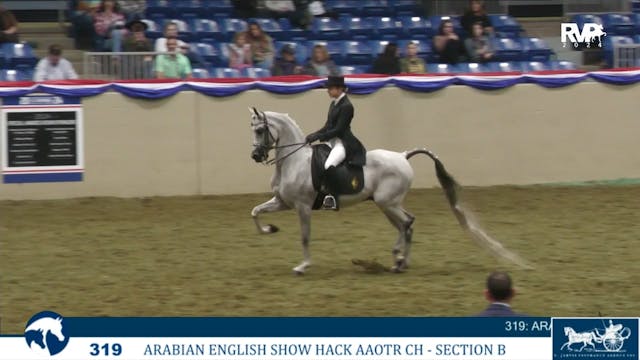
337	132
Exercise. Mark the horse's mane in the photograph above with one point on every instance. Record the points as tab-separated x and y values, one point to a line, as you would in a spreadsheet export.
285	118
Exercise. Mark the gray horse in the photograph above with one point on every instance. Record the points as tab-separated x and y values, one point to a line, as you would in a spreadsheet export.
387	179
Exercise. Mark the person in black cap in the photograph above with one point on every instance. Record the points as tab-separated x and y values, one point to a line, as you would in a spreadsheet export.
337	132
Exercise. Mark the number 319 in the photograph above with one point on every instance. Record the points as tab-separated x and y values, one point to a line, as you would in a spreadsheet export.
105	349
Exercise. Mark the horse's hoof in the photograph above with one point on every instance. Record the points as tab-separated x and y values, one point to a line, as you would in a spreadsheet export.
397	269
298	272
272	228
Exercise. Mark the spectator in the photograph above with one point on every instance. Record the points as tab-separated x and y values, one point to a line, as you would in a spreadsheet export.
170	32
279	8
240	52
474	14
174	65
108	23
133	9
317	9
478	46
82	29
448	44
320	63
8	27
261	46
137	67
499	293
54	66
286	64
136	40
412	64
387	62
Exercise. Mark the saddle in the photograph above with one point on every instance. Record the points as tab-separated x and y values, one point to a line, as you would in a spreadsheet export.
347	179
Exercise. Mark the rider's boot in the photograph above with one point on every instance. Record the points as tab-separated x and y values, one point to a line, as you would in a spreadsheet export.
330	201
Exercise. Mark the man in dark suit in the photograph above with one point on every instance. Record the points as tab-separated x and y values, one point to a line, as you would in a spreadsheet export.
499	293
337	132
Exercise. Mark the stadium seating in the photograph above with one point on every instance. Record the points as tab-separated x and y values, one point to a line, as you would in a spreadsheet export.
357	28
535	49
505	26
199	73
618	24
506	66
225	72
441	68
327	29
255	72
302	52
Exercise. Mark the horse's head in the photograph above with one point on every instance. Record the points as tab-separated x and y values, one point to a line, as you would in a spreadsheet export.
567	331
263	135
56	328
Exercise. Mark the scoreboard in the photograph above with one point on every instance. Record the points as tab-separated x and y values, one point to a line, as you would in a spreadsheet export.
42	139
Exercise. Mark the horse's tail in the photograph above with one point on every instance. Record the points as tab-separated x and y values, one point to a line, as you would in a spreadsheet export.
464	216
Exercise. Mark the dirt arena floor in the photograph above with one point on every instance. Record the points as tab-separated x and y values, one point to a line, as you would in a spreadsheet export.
201	256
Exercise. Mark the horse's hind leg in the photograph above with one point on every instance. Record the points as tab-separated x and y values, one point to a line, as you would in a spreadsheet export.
275	204
403	222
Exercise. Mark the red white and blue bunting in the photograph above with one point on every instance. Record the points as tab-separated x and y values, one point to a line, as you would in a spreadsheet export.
358	84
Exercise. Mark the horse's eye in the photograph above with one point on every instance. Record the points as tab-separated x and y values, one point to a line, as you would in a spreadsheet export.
259	131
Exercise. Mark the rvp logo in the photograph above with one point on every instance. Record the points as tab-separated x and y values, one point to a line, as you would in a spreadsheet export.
589	32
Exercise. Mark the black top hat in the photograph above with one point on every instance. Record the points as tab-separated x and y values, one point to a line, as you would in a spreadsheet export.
336	81
133	23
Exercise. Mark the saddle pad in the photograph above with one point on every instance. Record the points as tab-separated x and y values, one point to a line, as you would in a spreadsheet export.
348	179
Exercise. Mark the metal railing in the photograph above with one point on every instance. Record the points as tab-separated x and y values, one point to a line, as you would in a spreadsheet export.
626	55
119	65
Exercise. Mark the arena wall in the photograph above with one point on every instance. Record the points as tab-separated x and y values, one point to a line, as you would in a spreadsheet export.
192	144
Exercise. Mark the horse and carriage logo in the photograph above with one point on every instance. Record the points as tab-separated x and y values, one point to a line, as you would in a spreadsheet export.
589	336
45	333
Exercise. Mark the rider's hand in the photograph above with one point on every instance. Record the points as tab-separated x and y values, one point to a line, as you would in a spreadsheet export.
311	138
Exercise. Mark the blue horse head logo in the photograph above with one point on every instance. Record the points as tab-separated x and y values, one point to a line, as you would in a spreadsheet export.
44	333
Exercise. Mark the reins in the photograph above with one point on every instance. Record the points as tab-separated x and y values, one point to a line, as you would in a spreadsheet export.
275	161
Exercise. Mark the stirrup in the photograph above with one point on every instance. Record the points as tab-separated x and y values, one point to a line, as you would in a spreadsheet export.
330	203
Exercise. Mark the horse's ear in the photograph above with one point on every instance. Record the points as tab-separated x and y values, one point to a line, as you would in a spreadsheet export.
252	110
255	111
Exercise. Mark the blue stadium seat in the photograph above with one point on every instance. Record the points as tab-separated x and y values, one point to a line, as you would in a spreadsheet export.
618	24
190	9
536	49
561	65
437	20
529	66
405	7
291	33
357	52
636	39
160	8
416	27
207	30
377	46
387	28
219	8
255	73
354	69
226	72
609	42
335	49
232	26
16	75
357	28
302	52
208	52
471	68
199	73
504	66
375	7
441	68
505	26
507	49
18	55
154	30
344	7
327	29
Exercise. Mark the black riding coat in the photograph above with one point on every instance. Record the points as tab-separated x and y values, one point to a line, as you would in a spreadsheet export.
339	125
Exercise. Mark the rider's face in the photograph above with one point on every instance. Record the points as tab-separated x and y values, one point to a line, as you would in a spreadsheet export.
334	91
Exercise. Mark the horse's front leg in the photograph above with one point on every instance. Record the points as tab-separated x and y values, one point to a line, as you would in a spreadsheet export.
304	213
275	204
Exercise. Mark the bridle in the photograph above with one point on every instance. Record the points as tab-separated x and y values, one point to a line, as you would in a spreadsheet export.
267	136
